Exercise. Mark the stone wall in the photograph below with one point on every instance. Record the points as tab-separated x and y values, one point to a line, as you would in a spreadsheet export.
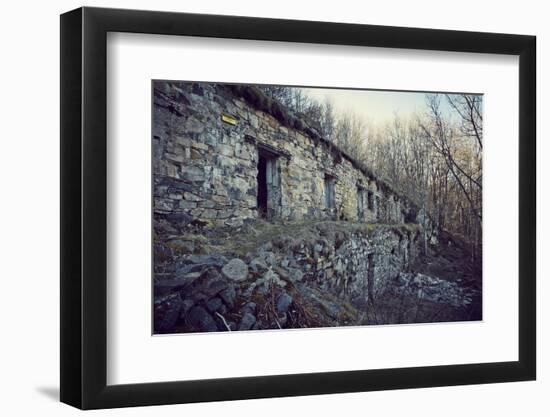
210	141
333	269
355	262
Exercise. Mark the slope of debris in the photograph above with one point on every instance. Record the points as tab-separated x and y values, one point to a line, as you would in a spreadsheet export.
275	276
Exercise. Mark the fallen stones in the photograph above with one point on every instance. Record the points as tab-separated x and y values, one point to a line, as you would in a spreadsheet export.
214	304
295	275
229	296
270	258
311	279
209	260
185	307
198	263
190	268
171	284
283	303
249	307
258	265
248	320
435	290
235	270
181	245
263	284
207	286
171	315
202	320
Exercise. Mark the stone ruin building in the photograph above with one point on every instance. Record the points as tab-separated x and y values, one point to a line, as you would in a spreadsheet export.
226	156
232	157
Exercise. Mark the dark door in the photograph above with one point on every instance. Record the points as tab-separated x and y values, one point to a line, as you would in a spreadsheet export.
262	187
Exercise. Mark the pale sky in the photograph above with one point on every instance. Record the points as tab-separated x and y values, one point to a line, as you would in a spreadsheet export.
376	108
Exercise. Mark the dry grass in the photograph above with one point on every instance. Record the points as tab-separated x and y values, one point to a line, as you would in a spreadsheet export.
282	236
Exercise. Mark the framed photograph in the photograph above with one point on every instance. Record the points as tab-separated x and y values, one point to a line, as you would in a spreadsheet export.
256	208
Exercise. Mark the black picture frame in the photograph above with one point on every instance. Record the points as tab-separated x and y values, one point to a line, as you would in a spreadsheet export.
84	207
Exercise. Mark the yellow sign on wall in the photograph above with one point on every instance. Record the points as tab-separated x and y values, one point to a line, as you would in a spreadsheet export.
229	119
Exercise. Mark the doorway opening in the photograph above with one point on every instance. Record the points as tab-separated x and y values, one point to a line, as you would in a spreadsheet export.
330	201
268	179
262	186
360	203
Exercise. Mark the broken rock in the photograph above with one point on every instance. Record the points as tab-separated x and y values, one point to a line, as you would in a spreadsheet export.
235	270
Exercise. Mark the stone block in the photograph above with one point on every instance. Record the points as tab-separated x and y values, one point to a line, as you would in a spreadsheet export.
192	173
235	270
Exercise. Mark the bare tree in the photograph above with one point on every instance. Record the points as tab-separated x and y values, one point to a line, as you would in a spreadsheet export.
328	121
470	109
446	142
277	92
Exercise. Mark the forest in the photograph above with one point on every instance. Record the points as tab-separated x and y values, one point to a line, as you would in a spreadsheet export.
434	156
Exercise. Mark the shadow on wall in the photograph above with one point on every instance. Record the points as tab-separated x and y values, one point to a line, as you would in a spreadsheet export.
49	392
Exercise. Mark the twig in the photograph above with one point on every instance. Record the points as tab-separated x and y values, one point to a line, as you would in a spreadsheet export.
224	322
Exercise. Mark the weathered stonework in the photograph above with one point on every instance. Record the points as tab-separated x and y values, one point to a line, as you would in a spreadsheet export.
260	223
354	264
214	170
334	270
